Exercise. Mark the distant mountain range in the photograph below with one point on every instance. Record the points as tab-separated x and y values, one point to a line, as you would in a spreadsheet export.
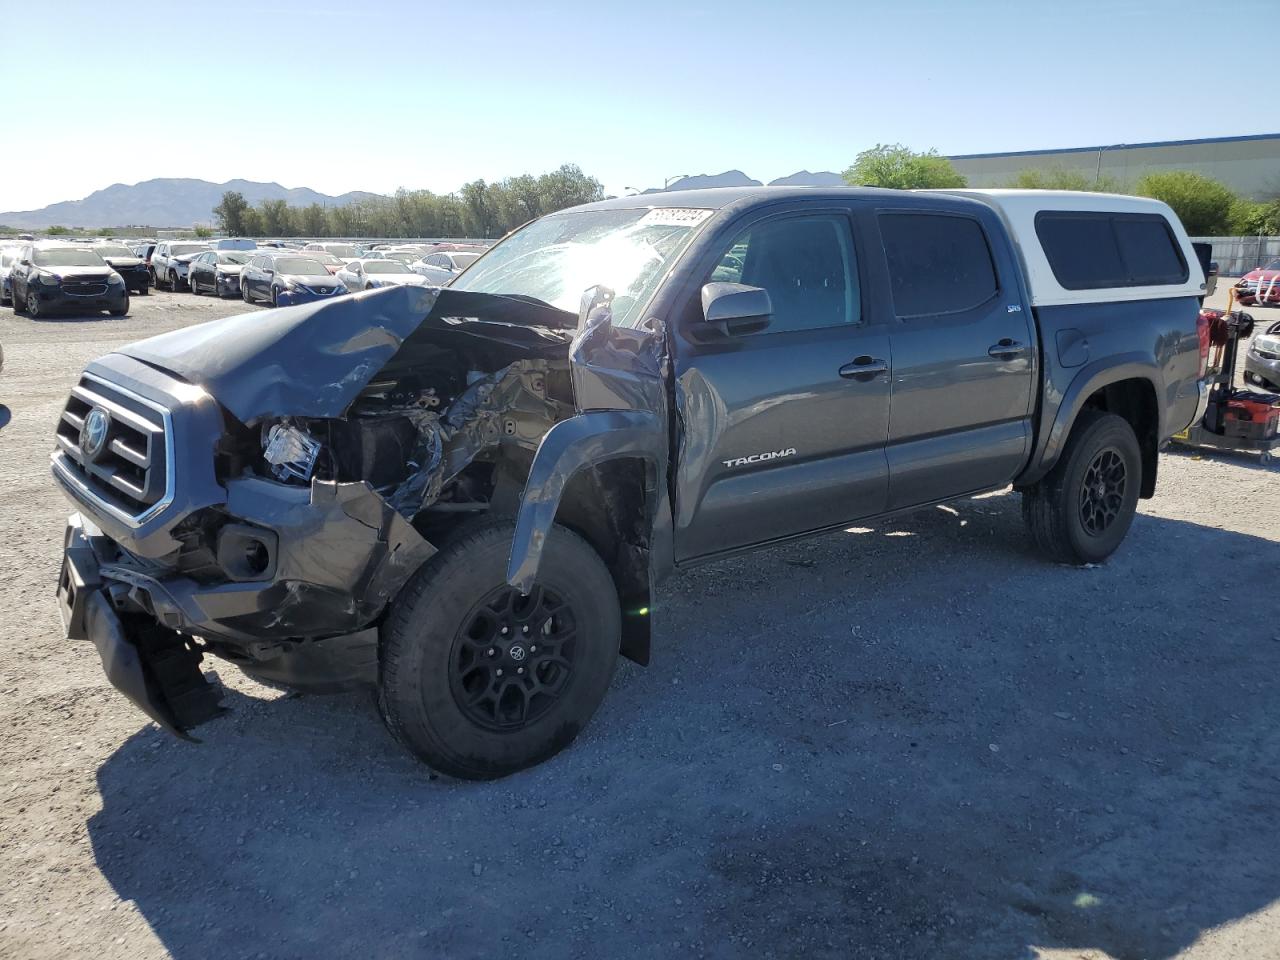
181	202
736	178
169	202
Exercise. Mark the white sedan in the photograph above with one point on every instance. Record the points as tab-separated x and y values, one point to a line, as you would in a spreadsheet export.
442	266
369	274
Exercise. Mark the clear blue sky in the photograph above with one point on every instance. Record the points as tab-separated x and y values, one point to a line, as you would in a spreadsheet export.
369	95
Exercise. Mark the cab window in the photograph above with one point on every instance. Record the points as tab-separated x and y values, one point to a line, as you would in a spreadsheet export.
807	265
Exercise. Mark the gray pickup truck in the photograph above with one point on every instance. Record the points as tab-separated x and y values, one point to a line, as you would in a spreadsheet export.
465	496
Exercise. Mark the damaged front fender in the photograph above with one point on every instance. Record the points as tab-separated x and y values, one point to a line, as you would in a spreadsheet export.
579	443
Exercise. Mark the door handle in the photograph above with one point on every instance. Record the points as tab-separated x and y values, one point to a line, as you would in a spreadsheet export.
1007	349
864	368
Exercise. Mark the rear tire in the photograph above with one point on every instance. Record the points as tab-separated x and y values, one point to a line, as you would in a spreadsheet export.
458	633
1081	510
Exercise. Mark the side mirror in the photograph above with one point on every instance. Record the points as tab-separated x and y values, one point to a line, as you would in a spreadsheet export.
736	309
595	301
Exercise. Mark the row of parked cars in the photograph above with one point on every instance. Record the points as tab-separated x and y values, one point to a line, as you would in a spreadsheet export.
40	277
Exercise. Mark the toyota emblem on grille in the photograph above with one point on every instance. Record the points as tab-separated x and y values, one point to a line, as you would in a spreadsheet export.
93	435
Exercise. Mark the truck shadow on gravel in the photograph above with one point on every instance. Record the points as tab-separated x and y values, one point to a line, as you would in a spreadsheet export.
914	739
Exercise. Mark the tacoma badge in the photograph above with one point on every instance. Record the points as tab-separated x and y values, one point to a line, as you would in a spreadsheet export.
760	457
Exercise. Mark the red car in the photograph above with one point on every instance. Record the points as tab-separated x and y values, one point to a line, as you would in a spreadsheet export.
1260	286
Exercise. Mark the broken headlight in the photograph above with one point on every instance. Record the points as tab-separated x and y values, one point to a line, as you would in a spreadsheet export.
290	452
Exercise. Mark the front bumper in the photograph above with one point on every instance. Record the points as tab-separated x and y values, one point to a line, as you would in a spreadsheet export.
56	299
228	284
158	673
135	278
152	626
1262	367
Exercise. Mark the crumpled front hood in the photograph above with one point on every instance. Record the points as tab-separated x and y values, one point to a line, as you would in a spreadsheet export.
313	360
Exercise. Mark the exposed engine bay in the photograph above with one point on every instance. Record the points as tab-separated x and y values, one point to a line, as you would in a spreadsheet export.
430	438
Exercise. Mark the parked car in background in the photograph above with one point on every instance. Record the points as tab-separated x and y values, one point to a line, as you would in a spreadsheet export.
332	264
443	265
284	279
1260	286
143	250
1262	360
8	256
170	259
235	243
376	272
52	277
402	256
126	263
347	251
217	272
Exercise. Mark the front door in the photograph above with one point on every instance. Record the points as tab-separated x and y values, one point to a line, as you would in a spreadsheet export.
963	356
782	431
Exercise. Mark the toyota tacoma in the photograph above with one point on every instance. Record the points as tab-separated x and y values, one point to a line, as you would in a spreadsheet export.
464	497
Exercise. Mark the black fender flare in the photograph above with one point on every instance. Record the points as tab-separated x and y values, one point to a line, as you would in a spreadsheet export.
1092	378
568	447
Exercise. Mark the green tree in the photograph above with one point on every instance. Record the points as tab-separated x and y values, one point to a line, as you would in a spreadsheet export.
1203	204
1060	178
57	231
566	187
312	221
480	217
1250	218
203	231
895	166
275	217
230	213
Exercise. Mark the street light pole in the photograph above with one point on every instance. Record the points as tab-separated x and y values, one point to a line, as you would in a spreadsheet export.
670	180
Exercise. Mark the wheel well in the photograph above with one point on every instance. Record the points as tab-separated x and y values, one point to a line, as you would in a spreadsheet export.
610	505
1135	401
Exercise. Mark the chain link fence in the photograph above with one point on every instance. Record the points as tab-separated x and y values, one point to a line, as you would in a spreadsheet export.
1236	256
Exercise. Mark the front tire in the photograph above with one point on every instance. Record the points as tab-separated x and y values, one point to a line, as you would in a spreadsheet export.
33	305
1081	510
479	681
121	310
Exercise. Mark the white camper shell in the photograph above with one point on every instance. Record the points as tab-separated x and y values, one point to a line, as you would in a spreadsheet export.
1136	247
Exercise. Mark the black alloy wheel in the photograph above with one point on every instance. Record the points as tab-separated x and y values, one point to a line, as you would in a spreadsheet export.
513	657
1102	491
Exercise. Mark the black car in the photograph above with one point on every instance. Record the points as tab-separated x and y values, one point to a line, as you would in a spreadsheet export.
51	277
218	272
126	263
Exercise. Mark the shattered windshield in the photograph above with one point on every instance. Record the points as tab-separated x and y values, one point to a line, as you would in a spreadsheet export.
558	257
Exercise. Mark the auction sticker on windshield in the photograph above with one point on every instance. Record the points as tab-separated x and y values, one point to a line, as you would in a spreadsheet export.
674	217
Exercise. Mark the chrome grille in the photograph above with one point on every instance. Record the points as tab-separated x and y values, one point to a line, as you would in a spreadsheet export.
129	472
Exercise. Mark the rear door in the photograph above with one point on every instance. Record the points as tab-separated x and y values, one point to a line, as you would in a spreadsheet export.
964	356
781	431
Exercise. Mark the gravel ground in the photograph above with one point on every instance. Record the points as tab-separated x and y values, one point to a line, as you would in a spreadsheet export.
914	739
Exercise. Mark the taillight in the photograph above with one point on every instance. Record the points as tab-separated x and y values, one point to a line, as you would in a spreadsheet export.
1204	323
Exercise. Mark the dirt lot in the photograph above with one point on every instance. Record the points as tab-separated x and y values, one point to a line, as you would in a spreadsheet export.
911	740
